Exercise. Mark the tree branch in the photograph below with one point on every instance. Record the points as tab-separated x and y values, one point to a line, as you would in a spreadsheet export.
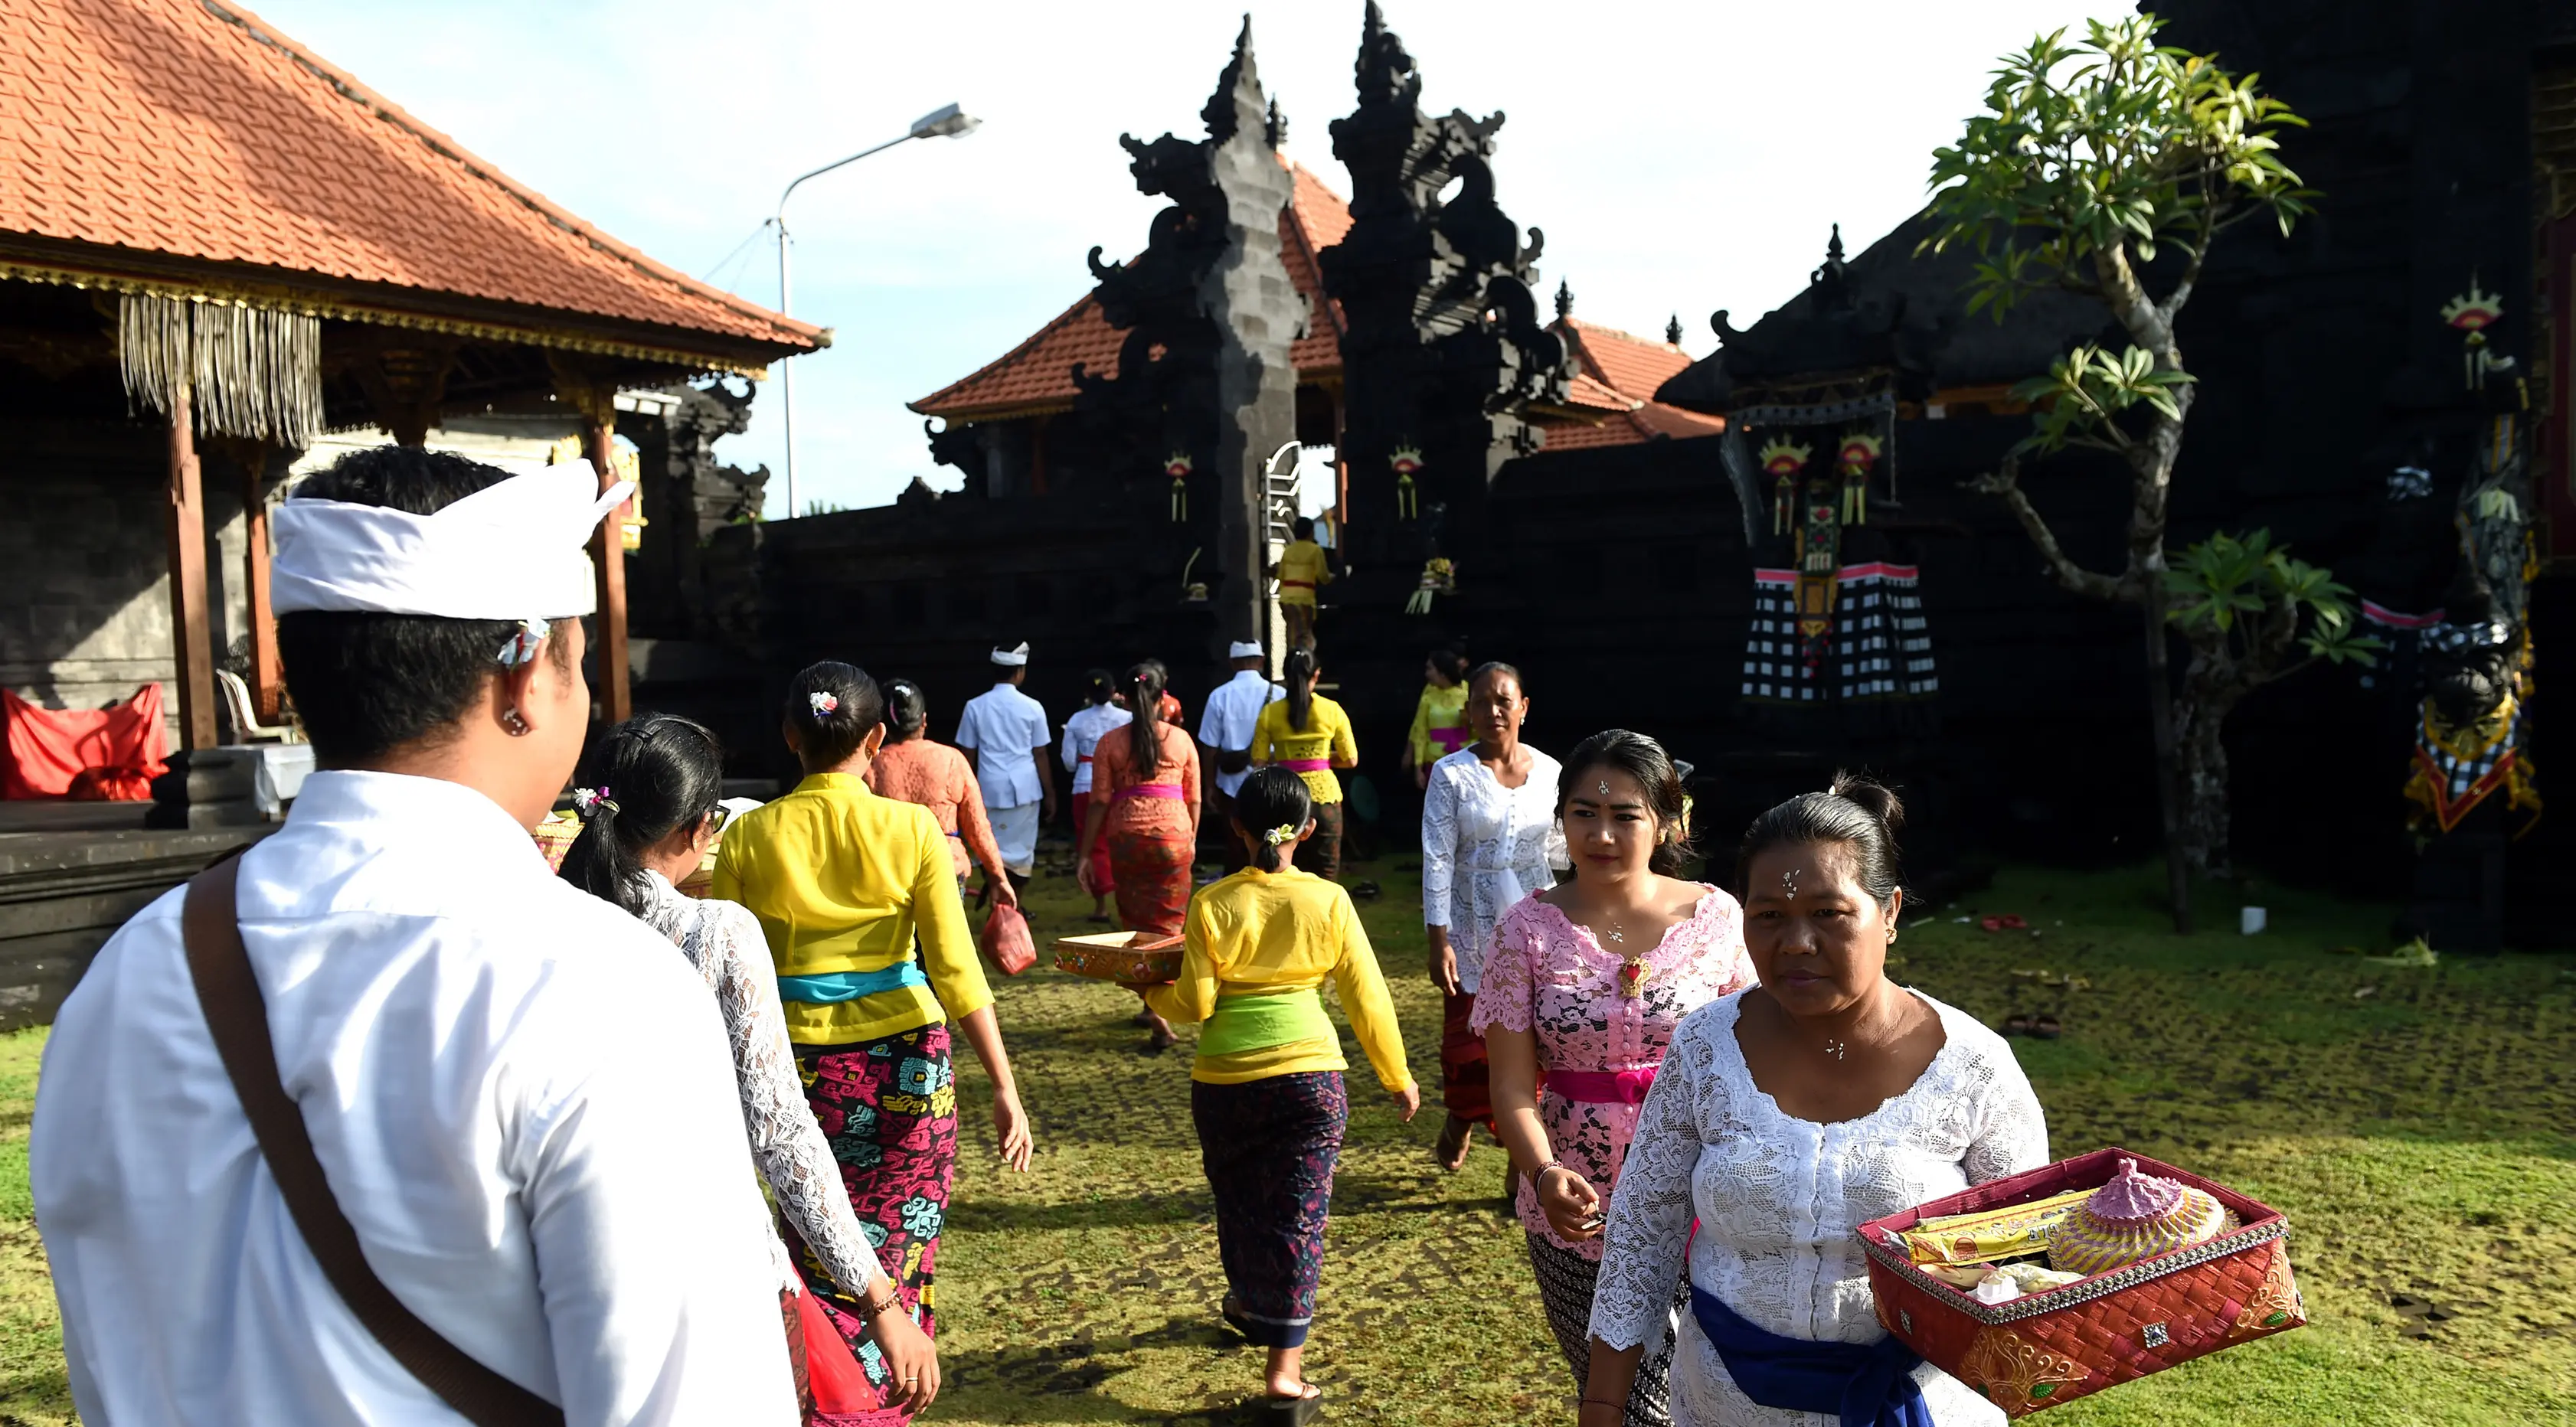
2128	301
2073	578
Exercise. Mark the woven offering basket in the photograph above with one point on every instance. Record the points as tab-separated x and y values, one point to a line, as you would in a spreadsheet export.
2061	1343
1128	958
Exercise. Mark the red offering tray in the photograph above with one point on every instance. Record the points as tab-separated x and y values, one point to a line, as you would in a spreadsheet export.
2062	1343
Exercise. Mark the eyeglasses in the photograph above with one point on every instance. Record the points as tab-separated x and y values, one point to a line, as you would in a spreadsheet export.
717	817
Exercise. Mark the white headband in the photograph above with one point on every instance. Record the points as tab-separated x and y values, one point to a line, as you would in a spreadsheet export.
1012	658
513	551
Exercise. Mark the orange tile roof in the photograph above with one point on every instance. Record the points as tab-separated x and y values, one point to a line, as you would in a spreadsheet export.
178	144
1036	376
1628	369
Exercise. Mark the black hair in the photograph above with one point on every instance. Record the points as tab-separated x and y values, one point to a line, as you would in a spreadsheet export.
1271	798
1144	729
1298	673
1098	686
365	683
1496	666
828	736
1643	759
907	711
654	775
1452	664
1856	812
1304	527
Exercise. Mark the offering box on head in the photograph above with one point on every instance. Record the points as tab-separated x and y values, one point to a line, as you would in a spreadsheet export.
2062	1343
1129	958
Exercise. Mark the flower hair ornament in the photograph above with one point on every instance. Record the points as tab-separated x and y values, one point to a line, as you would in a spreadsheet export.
1284	833
523	645
585	799
823	703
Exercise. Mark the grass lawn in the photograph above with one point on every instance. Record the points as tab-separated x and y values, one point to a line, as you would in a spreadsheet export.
2415	1123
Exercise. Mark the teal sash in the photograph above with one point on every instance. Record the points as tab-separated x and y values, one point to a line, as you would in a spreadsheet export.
834	987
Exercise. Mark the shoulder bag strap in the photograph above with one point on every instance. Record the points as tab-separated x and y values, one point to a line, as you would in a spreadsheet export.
235	1011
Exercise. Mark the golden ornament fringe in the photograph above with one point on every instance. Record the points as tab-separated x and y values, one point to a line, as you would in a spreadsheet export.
248	371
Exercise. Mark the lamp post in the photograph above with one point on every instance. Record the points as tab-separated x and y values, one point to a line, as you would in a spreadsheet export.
947	122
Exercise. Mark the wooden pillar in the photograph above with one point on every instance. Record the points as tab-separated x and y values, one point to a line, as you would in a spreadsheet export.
190	632
608	549
265	677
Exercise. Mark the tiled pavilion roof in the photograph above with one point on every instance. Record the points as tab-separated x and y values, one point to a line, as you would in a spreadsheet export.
1036	377
185	146
1617	372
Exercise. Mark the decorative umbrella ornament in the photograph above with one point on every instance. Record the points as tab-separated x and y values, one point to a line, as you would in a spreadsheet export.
1405	460
1782	460
1860	452
2472	313
1178	468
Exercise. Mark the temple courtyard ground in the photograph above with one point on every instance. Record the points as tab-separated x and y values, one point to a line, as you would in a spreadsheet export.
2416	1122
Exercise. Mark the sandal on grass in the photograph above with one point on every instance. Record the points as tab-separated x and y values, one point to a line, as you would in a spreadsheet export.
1456	1138
1290	1411
2046	1028
2017	1024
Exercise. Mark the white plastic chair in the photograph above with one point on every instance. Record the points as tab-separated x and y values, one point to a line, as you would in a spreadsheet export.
246	718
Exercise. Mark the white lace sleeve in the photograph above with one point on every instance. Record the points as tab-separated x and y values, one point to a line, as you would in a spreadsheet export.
785	1139
1439	846
2012	1130
1648	1236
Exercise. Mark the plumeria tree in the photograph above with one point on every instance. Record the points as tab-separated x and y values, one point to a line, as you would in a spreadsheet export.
2109	166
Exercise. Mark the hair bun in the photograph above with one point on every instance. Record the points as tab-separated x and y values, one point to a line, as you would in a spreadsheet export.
1875	798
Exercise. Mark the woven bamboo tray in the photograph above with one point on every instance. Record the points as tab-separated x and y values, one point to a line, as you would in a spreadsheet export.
1129	958
2063	1343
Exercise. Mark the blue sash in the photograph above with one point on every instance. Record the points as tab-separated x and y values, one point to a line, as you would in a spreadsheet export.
1868	1385
835	987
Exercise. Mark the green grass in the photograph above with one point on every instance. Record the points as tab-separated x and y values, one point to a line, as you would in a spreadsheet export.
2415	1123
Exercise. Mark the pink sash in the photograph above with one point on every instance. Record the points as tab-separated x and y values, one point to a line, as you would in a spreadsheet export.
1151	790
1602	1087
1306	765
1449	739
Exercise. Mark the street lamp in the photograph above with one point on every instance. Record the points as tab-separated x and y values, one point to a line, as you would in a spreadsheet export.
947	122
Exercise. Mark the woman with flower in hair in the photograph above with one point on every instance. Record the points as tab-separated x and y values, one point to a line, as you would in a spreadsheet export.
1266	1093
844	882
913	767
1145	807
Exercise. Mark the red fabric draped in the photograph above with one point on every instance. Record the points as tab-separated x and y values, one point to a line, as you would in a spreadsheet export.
98	754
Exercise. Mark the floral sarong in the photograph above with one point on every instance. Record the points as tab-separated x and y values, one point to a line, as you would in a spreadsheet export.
1152	872
889	1108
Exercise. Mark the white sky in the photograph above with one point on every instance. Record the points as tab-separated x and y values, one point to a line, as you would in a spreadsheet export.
1682	155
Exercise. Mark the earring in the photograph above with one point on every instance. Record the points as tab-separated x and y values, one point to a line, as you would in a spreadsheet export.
515	723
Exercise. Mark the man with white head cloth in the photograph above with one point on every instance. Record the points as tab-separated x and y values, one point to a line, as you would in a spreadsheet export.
516	1103
1007	731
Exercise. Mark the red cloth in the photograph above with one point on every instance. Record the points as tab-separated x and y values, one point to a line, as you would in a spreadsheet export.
111	753
1466	1081
1102	880
840	1386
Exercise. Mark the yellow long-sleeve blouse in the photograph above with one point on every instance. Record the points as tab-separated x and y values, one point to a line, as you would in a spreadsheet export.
1325	738
1438	708
841	880
1260	932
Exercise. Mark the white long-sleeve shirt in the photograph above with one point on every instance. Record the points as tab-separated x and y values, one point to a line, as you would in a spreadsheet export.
523	1102
1484	847
1082	734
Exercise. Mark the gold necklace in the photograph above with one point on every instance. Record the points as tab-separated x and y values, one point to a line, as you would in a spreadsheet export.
1634	973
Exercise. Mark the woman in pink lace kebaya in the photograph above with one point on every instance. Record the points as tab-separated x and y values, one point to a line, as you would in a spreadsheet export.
1584	985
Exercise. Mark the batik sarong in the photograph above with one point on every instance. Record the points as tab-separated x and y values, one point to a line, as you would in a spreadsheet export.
1152	872
1269	1147
1322	853
1103	877
1466	1080
889	1108
1565	1282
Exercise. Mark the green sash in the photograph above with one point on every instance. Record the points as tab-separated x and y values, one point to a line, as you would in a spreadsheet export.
1264	1019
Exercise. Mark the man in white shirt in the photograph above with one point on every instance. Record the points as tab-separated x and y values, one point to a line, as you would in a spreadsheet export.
1006	730
1081	741
1225	738
521	1098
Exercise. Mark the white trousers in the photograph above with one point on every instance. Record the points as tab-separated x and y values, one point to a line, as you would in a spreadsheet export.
1016	831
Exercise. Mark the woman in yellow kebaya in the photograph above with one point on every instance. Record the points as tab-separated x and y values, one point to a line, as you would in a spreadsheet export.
1310	736
1266	1093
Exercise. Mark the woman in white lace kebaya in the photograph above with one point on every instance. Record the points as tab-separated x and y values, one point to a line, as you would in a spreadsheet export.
1489	837
650	814
1586	981
1784	1117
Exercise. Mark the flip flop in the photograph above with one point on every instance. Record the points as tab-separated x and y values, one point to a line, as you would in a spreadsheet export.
1291	1411
2016	1025
1457	1137
1233	1316
2046	1028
